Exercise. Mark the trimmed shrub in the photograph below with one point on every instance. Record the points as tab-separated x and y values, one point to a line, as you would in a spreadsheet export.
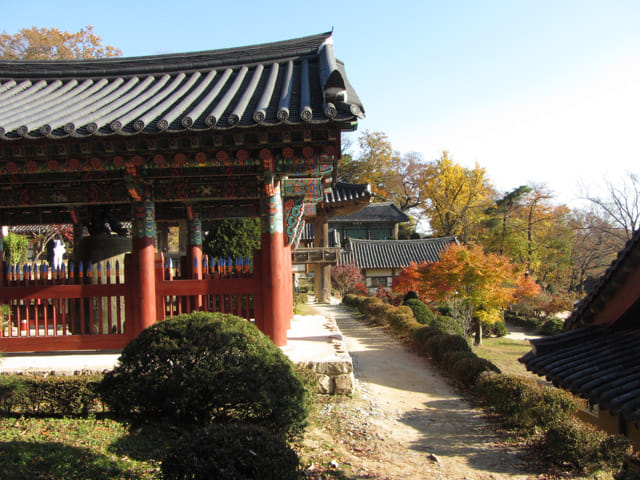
553	326
468	368
420	336
57	395
231	452
402	321
423	314
368	304
583	448
448	325
523	402
350	299
201	368
438	345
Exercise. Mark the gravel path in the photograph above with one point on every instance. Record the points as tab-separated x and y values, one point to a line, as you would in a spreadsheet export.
431	430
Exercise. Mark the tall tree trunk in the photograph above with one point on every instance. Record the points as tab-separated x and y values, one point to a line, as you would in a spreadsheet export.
478	338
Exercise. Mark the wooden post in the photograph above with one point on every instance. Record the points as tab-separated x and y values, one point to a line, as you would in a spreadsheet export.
144	253
276	313
322	273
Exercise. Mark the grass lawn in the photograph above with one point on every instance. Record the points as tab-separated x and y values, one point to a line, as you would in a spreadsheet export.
504	353
65	448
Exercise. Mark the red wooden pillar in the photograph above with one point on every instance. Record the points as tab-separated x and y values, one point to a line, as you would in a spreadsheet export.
276	311
143	256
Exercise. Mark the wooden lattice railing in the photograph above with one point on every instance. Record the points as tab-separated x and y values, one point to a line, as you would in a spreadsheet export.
226	286
75	299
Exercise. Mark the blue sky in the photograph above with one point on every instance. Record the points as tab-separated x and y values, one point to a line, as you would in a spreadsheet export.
534	91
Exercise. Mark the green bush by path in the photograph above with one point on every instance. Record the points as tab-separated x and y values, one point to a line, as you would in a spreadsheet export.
448	325
582	448
524	403
421	311
231	452
201	368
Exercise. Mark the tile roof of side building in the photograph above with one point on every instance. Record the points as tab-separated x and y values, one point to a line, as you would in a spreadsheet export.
600	362
627	258
394	253
375	212
293	82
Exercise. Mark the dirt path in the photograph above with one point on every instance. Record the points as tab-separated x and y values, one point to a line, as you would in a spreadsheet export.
416	425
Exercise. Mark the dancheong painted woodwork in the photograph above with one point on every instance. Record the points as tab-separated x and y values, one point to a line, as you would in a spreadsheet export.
243	132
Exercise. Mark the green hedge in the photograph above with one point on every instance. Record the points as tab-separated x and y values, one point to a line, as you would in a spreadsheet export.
525	403
51	395
574	445
421	311
553	326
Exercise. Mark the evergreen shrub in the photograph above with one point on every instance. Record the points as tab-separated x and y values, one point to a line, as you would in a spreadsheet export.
438	345
402	321
468	368
55	395
200	368
553	326
448	325
421	311
523	402
350	299
231	452
369	304
420	336
582	448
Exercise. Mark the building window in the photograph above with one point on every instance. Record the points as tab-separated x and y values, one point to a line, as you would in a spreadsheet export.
379	282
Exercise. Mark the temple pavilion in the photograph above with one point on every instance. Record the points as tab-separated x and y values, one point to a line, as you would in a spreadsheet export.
157	142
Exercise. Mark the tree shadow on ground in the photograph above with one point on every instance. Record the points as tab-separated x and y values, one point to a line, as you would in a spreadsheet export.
55	461
451	428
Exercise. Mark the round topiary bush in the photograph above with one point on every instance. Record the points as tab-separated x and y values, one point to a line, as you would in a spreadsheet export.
201	368
448	325
553	326
423	314
231	452
467	369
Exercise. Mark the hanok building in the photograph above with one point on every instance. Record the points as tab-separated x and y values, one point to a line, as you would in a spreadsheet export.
598	357
243	132
382	260
376	221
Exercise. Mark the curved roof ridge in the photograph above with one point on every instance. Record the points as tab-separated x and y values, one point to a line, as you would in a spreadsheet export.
165	63
411	240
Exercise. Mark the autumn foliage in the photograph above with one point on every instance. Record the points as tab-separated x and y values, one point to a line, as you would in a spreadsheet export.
486	282
53	44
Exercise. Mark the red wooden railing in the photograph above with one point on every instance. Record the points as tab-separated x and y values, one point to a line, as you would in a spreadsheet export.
38	305
226	286
90	307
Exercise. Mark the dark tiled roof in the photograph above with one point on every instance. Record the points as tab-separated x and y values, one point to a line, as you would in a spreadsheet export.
375	212
291	82
394	253
597	363
627	259
346	192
